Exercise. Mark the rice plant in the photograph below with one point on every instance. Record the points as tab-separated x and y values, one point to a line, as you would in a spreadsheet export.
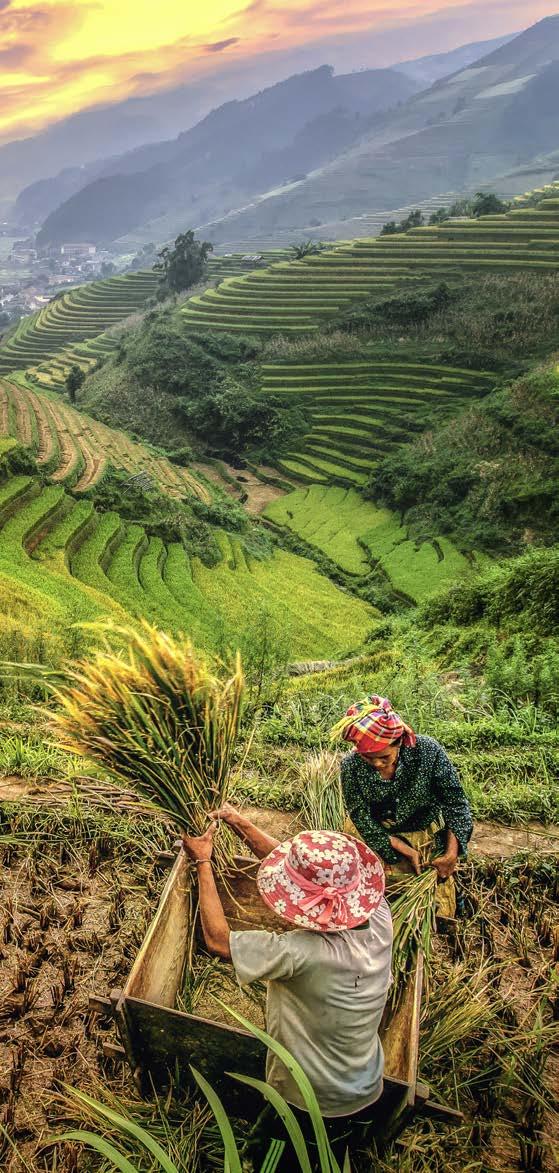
413	918
158	719
322	803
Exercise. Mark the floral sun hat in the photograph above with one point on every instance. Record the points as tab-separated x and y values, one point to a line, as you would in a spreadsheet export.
322	880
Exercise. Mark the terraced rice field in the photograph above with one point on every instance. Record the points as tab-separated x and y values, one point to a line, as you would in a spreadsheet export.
51	374
72	317
75	450
88	564
356	534
298	297
360	410
234	264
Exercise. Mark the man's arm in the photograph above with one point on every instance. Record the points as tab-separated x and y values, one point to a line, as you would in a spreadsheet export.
215	926
260	843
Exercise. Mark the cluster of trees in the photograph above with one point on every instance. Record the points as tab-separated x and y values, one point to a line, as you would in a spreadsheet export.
414	220
488	477
482	204
207	379
184	265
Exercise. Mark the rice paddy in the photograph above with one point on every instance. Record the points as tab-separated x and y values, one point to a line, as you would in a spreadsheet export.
87	564
299	297
359	411
357	535
75	450
82	313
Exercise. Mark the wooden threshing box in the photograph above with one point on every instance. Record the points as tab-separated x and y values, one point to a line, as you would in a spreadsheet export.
161	1042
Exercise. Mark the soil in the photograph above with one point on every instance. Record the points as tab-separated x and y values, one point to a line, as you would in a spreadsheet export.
259	494
71	921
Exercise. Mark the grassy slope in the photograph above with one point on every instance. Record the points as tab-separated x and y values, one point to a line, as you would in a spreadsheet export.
84	573
336	520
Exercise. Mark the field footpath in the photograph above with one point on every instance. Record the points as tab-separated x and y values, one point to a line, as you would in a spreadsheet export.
489	839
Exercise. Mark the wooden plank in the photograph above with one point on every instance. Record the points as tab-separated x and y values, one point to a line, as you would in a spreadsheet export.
165	1042
399	1032
242	904
157	971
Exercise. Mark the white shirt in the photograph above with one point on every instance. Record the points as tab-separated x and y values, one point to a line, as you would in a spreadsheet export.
326	995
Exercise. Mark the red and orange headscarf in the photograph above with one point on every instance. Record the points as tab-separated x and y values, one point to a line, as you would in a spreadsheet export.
372	725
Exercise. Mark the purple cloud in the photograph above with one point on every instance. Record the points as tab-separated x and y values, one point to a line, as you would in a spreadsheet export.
219	46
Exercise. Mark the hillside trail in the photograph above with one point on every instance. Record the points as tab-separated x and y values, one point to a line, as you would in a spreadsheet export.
488	839
259	494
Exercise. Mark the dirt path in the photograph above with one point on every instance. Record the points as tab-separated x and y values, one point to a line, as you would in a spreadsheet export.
488	838
259	494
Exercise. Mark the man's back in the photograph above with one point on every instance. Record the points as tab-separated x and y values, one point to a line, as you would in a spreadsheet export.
326	995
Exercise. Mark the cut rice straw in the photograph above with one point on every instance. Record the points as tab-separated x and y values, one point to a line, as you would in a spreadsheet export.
159	720
413	918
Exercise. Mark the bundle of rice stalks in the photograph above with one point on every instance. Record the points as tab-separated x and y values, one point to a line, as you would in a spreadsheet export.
158	720
459	1009
413	919
322	803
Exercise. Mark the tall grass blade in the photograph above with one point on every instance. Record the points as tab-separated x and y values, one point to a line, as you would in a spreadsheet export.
285	1113
103	1147
124	1125
232	1159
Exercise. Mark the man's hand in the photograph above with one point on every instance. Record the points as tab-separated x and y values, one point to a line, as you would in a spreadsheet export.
200	847
445	865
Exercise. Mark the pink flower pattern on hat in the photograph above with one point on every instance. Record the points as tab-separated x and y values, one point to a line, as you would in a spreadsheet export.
322	880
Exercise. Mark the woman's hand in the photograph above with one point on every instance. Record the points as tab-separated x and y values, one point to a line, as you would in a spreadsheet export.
408	853
227	813
200	847
445	865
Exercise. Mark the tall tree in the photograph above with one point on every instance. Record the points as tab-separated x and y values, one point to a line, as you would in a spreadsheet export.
182	266
74	380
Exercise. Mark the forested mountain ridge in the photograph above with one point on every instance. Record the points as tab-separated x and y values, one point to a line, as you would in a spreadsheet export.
238	149
461	134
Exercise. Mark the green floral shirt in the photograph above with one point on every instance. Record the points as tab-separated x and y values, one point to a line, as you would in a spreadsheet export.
425	786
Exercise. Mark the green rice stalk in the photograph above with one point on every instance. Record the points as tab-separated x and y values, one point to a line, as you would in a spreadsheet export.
459	1008
413	919
159	721
322	803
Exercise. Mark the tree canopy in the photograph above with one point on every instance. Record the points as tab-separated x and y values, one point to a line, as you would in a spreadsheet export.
182	266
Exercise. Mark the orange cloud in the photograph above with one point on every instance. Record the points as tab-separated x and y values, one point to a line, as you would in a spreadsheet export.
57	56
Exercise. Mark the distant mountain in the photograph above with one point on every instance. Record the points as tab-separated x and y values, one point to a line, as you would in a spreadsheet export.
102	132
239	149
497	114
427	70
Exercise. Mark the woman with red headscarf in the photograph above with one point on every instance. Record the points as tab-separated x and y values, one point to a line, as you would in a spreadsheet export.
403	795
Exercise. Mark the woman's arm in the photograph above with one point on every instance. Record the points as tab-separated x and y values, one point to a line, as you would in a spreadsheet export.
456	813
258	841
215	926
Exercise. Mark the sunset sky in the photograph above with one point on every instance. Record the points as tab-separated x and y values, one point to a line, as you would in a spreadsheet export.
57	57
